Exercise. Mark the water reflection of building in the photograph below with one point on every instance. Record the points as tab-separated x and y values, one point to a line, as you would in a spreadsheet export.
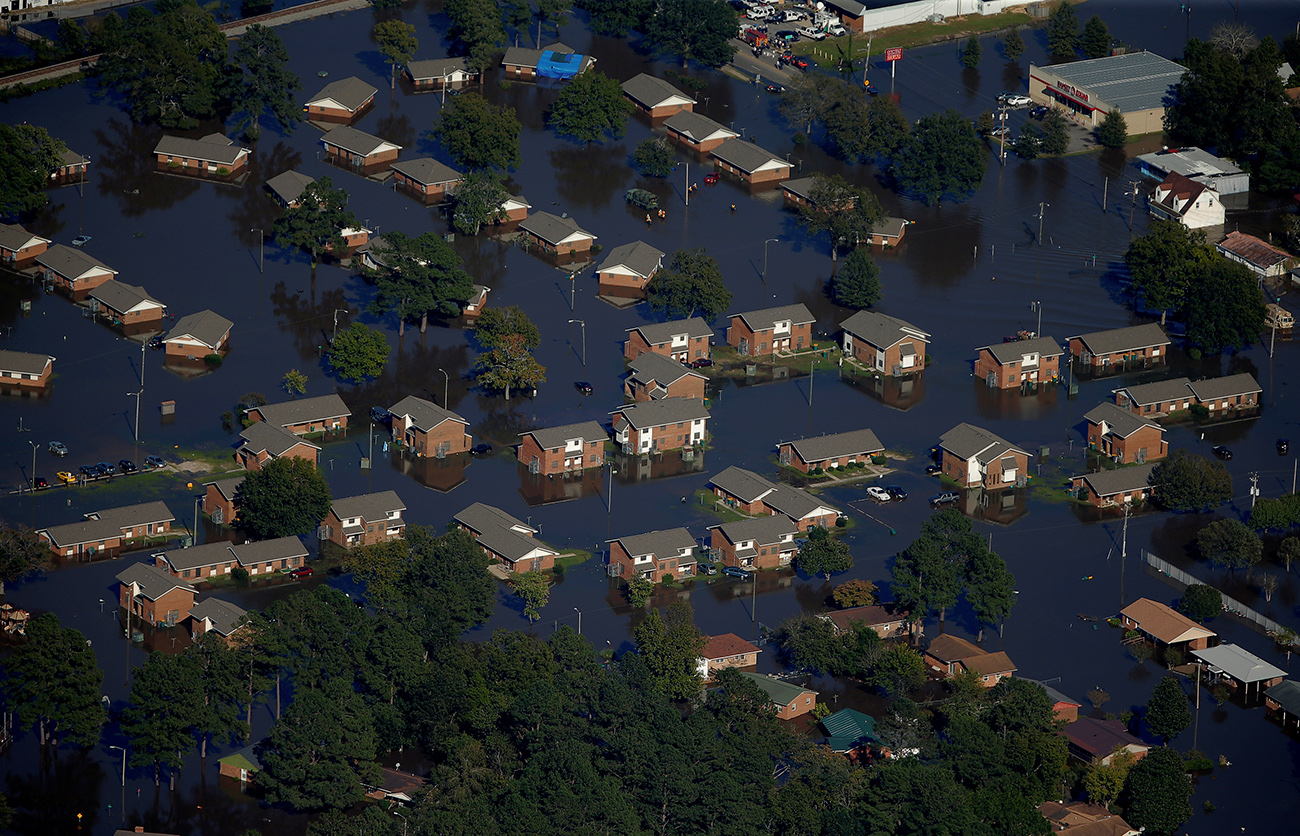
1028	404
1001	507
660	465
543	489
442	474
901	393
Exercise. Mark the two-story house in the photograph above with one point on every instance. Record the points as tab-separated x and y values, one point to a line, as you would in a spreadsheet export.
887	620
151	595
264	442
1185	201
885	343
949	655
760	543
627	270
365	520
726	651
552	450
684	340
219	558
655	426
654	555
769	330
107	530
428	429
1154	399
1019	363
974	456
213	615
654	376
1223	396
1123	436
507	540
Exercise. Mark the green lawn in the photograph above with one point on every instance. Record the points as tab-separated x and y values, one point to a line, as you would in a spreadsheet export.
912	35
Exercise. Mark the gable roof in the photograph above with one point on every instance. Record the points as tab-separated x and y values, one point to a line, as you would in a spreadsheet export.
696	126
431	68
549	438
1287	695
427	171
320	408
265	437
662	370
1117	340
1100	737
987	664
206	327
1052	694
766	318
796	503
222	616
1117	420
267	551
850	7
727	644
638	256
870	614
13	237
196	557
1158	392
425	415
349	93
357	142
748	157
838	444
650	91
950	648
1238	663
124	297
213	148
521	56
70	262
781	693
1120	480
663	543
501	533
745	485
24	362
800	187
967	441
107	524
1164	623
152	582
1015	350
848	728
133	515
1259	253
1177	194
553	229
660	412
370	507
226	487
245	758
657	333
882	330
764	531
1225	387
289	185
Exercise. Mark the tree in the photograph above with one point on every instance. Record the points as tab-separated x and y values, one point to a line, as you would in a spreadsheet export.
1224	308
848	214
535	590
166	705
591	106
1236	39
495	325
1268	514
1096	38
1157	793
1063	31
28	155
316	224
855	593
1167	713
990	588
294	382
1029	144
1268	584
220	672
1200	602
1113	130
671	646
617	17
699	30
1056	135
477	134
1013	45
1288	552
416	276
265	84
1186	482
942	156
357	353
927	575
321	753
72	39
552	11
517	16
1229	543
170	64
52	681
809	643
1104	783
22	553
396	41
823	554
654	157
810	97
477	24
639	590
510	366
1162	262
478	200
690	286
857	284
970	56
283	498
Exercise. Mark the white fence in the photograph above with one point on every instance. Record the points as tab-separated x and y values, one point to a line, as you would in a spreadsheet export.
922	10
1230	604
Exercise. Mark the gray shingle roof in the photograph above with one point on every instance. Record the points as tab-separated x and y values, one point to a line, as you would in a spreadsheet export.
424	414
350	92
213	148
427	171
1159	391
657	333
495	529
370	507
13	237
23	362
764	531
355	141
882	330
521	56
1014	352
839	444
196	557
289	185
431	68
269	438
227	487
320	408
121	296
696	126
70	262
82	531
549	438
639	257
152	581
222	615
746	156
800	186
1287	695
207	327
650	91
1130	82
1120	480
266	551
552	228
966	441
1122	422
795	503
1132	338
133	515
743	484
666	411
766	318
1225	387
662	370
850	7
663	544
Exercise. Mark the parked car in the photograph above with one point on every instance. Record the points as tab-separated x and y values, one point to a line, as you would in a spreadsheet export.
877	493
775	88
1002	97
583	386
707	568
811	34
126	466
39	483
999	131
1282	446
895	492
791	15
153	462
701	363
799	61
302	572
1017	100
380	415
787	35
933	469
81	241
480	449
65	477
57	449
711	179
89	471
736	572
106	468
156	341
1039	111
945	498
1222	452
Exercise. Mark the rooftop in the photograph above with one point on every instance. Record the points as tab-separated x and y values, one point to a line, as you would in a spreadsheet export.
1015	351
1100	737
665	411
266	551
123	297
1191	162
762	530
152	582
1118	340
306	410
882	330
697	126
780	692
871	615
24	362
370	507
427	171
13	237
1119	421
1257	251
966	441
727	644
501	533
553	229
839	444
223	616
663	332
213	148
663	543
1164	623
436	68
1158	392
70	262
205	327
765	319
1237	663
662	370
1225	387
351	93
425	415
743	484
1120	480
652	92
1131	82
638	256
549	438
358	142
747	156
265	437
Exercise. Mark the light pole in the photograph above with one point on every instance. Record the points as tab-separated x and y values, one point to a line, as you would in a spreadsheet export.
765	243
261	246
1037	305
337	311
33	476
136	395
1041	207
584	341
579	612
445	380
609	499
123	750
395	813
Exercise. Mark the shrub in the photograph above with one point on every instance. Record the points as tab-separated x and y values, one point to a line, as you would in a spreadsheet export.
668	577
240	575
1198	410
213	359
222	171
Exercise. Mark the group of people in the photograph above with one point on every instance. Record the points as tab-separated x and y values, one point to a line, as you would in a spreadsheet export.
661	213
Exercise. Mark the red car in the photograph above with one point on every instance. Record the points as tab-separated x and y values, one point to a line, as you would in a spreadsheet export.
801	63
711	179
302	572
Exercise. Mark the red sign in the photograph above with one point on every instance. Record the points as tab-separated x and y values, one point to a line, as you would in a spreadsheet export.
894	53
1072	91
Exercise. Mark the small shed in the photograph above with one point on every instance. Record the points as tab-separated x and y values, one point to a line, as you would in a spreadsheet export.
242	764
1284	699
1240	666
848	729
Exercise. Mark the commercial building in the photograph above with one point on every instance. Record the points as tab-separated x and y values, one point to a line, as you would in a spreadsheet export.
1197	165
1136	84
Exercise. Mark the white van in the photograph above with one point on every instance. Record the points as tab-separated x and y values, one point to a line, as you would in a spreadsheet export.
760	13
835	30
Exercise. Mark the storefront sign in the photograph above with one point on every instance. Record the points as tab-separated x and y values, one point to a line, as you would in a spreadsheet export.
894	53
1072	92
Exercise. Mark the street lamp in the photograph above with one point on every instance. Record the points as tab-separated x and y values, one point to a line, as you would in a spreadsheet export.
123	750
261	246
765	243
579	612
337	311
136	395
584	341
1038	306
446	379
33	443
1041	207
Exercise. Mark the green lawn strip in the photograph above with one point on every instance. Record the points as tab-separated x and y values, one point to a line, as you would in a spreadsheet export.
913	35
570	558
716	507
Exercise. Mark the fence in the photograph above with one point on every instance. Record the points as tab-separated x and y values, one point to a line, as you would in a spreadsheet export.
1230	604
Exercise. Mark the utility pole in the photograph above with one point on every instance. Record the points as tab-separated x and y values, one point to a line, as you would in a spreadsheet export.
579	612
1041	207
1254	487
1038	306
765	243
1131	208
584	341
336	323
1002	137
687	185
445	380
261	246
1104	189
573	292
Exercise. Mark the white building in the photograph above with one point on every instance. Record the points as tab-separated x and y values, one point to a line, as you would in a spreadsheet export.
1194	205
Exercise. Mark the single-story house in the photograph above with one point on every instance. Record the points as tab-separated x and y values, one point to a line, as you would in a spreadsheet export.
889	232
1258	256
552	450
197	335
1019	363
214	154
365	520
437	73
213	615
73	270
219	558
885	343
219	500
395	786
505	539
769	330
726	651
153	596
654	376
1079	818
1064	709
754	495
26	369
830	451
556	235
18	247
628	269
1234	663
557	60
1122	486
426	178
697	131
308	416
287	187
428	429
264	442
359	151
749	162
887	620
477	301
72	168
340	101
788	699
1185	201
1284	699
514	209
949	655
108	529
760	543
1225	395
683	340
655	426
655	97
797	193
242	764
654	555
125	304
1136	345
1124	436
1164	625
974	456
1096	742
1159	398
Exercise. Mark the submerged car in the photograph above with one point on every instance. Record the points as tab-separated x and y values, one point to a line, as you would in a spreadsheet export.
877	493
480	449
302	572
1283	446
380	415
1222	452
583	386
57	449
736	572
895	492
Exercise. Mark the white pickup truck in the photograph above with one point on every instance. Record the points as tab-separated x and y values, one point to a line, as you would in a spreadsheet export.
811	34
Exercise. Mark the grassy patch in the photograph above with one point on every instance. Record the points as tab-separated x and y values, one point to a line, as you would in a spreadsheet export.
22	89
715	506
912	35
219	460
572	558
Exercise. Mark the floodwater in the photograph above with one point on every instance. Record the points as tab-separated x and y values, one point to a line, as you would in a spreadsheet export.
967	273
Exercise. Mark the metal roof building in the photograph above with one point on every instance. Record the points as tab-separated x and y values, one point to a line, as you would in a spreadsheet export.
1198	165
1136	84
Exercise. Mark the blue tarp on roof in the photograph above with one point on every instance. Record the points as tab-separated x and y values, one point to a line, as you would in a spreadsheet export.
559	64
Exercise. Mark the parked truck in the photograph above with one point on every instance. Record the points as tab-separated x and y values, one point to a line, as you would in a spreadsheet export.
642	198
